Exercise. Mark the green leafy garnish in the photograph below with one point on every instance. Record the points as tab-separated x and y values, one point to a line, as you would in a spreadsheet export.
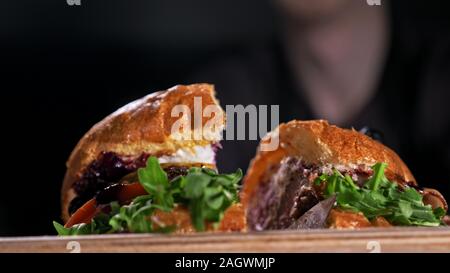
99	225
79	229
203	191
208	194
381	197
132	217
155	182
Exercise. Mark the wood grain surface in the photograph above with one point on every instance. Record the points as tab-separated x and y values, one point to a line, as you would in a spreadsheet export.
367	240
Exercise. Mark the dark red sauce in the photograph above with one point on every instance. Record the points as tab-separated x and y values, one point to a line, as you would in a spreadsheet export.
107	170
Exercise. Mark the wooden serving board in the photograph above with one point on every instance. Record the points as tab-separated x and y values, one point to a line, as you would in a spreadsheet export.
366	240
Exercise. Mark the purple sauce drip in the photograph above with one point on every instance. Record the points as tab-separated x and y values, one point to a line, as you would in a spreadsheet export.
106	170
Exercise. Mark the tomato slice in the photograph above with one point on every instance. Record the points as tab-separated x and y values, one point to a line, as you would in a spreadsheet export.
90	209
84	214
129	191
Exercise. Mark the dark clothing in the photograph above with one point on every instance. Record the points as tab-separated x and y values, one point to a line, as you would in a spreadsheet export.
410	106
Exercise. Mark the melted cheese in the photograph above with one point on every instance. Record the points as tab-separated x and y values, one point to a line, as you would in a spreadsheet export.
196	154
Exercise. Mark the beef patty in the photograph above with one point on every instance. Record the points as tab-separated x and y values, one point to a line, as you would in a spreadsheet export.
289	191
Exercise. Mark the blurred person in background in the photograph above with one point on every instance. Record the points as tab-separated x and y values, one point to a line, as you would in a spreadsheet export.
355	65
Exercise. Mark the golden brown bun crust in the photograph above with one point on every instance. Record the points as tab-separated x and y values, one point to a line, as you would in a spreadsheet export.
232	221
320	143
141	126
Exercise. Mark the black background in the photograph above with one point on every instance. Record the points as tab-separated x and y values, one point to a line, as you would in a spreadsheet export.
66	67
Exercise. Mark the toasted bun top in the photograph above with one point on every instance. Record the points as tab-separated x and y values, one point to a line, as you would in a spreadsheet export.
317	142
144	126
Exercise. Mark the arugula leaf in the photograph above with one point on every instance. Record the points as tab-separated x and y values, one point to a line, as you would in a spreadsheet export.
209	194
132	217
154	180
378	176
79	229
381	197
196	182
439	212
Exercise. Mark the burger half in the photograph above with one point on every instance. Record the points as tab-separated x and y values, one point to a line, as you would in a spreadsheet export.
321	176
133	173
